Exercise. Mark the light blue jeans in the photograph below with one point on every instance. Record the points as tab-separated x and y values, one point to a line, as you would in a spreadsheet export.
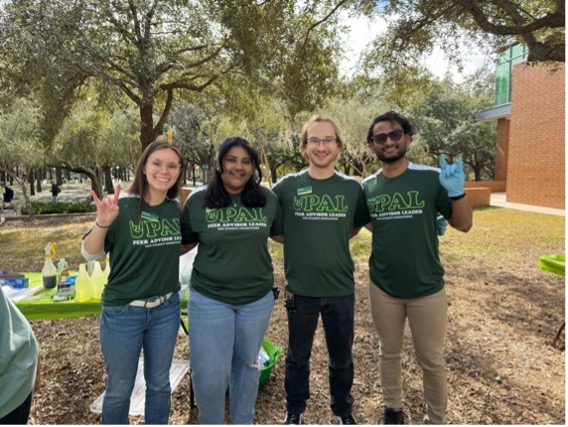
124	331
224	341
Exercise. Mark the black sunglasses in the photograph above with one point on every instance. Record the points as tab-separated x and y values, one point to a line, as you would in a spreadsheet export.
394	135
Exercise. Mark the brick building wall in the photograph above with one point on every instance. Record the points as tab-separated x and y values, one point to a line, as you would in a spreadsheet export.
536	152
502	149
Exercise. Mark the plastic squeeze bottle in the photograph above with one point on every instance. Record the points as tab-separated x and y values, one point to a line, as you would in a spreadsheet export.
62	270
49	272
99	280
83	285
64	290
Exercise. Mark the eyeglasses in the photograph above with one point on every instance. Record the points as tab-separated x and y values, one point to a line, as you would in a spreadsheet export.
326	141
171	167
394	135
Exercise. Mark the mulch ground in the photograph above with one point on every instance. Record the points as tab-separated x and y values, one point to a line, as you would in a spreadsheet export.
502	366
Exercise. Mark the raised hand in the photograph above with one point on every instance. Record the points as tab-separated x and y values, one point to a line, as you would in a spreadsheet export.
452	176
107	208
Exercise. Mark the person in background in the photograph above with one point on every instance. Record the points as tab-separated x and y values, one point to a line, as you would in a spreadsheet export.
231	296
406	275
322	210
7	194
55	190
140	304
19	364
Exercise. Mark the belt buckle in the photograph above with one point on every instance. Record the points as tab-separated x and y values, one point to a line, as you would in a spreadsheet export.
152	301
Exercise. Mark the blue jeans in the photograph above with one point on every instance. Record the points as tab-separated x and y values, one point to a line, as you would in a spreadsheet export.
124	331
337	314
224	341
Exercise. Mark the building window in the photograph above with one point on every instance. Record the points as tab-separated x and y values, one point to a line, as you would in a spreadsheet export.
512	55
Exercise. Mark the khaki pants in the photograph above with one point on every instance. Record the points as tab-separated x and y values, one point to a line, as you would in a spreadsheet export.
427	319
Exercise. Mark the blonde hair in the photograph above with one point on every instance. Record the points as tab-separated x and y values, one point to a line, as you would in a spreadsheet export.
318	118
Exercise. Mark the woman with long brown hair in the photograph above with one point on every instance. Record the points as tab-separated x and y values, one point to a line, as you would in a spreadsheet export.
140	229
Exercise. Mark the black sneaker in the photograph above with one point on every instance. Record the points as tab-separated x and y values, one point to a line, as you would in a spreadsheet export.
293	419
345	419
391	416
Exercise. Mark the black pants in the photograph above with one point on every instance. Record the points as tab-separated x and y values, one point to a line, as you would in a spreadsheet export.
19	415
337	315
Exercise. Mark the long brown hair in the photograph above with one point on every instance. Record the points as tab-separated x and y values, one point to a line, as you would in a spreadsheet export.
140	184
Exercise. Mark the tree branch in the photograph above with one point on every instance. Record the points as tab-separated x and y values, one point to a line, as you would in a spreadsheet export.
165	112
552	20
321	21
166	66
190	86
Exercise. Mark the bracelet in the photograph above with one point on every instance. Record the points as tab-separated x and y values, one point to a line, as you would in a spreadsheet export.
101	226
461	196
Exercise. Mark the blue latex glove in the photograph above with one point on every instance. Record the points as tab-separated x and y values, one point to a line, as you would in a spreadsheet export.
441	225
452	177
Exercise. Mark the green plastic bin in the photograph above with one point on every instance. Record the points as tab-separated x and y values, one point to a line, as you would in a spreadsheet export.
274	353
553	263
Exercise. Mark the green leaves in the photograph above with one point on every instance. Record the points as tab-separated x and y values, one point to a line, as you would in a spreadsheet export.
456	25
446	123
20	131
42	208
151	51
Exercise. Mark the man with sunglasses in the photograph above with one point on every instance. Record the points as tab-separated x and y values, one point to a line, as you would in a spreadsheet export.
322	210
406	276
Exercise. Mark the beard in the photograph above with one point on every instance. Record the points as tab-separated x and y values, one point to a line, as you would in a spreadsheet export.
393	158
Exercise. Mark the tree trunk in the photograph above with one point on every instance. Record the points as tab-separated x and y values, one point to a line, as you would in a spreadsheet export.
147	134
58	176
477	173
109	188
27	200
31	176
95	183
37	174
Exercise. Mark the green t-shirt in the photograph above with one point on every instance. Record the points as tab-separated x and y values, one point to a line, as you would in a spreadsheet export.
144	254
232	264
405	261
319	216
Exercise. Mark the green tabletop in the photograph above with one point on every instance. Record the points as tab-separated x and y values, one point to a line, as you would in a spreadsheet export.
41	306
553	263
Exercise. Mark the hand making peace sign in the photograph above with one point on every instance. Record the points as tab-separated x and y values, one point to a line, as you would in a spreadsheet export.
107	208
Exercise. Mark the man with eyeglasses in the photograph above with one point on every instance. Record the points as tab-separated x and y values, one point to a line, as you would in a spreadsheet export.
322	210
406	276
